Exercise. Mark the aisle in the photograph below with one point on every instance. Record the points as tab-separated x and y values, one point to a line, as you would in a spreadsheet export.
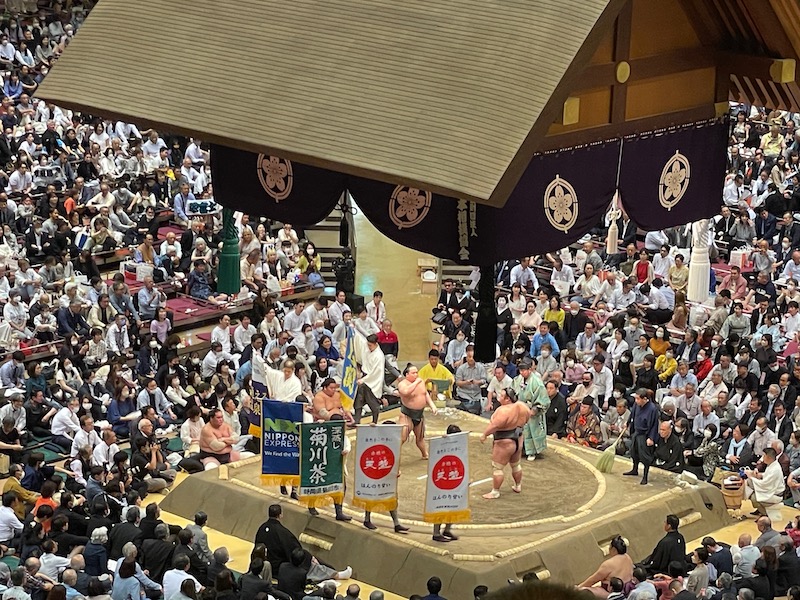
382	264
239	549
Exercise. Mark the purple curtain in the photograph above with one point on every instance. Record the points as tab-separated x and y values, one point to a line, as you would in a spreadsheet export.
665	178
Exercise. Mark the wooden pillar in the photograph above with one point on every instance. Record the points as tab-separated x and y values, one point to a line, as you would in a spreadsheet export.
622	54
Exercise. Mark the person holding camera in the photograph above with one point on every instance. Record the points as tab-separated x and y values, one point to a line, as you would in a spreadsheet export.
148	464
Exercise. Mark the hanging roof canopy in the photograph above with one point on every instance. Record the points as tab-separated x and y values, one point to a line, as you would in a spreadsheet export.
450	96
453	97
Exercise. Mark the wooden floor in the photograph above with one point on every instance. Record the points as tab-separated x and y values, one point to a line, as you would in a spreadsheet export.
382	264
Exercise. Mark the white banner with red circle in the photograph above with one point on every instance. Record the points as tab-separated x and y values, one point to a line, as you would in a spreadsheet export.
447	494
377	467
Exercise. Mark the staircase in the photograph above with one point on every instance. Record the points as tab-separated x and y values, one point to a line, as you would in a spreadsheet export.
458	273
325	236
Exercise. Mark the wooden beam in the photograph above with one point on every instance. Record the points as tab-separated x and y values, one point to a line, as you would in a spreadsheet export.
677	61
622	52
605	132
769	27
571	114
779	70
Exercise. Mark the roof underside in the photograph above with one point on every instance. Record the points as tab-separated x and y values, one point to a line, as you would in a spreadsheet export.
756	27
444	95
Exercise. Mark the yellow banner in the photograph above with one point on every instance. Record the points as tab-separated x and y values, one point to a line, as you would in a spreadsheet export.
455	516
280	480
384	505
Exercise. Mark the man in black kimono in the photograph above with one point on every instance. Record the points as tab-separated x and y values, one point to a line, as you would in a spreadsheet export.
672	547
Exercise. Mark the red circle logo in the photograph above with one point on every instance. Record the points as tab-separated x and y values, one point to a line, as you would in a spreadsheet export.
377	461
448	473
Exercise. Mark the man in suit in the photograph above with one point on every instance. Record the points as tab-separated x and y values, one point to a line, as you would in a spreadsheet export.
219	562
788	229
781	423
766	225
198	568
788	573
574	321
252	583
445	296
200	539
515	335
157	553
188	241
503	277
37	242
556	416
8	147
7	216
460	303
292	575
150	521
723	223
689	342
788	393
627	230
123	533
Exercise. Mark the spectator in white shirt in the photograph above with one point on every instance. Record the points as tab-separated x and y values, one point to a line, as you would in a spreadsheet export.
621	299
662	261
15	410
792	268
175	577
20	180
293	321
653	240
524	275
500	381
562	277
791	321
66	425
50	563
711	390
243	333
316	311
195	154
607	289
733	191
103	454
222	333
125	131
603	380
151	148
364	324
85	436
337	308
376	309
10	525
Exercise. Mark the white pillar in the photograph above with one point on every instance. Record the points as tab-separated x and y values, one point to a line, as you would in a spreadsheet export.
699	264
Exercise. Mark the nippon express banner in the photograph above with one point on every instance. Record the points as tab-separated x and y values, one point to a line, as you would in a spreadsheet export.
280	442
321	463
447	492
377	464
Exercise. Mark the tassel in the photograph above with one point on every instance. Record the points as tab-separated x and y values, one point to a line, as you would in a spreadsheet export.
486	324
612	239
